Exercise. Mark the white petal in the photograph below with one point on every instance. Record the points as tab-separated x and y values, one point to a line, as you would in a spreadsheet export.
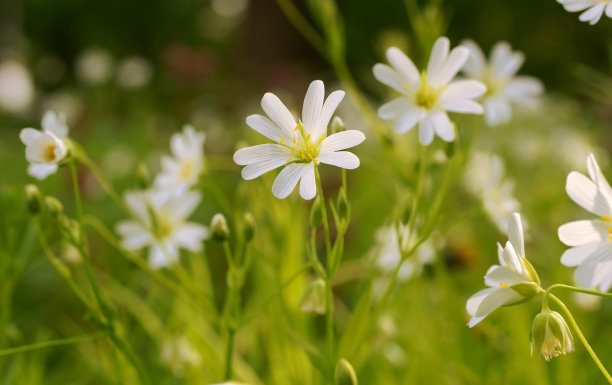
593	14
29	135
456	59
439	52
287	179
599	179
499	297
402	64
409	119
515	234
308	186
261	153
162	255
511	258
279	114
426	131
505	62
134	236
313	104
576	255
443	126
463	89
474	65
254	170
183	206
190	236
588	273
497	111
474	301
266	127
136	202
55	123
41	171
329	107
394	108
464	106
342	159
581	232
523	89
388	76
584	192
504	275
342	140
609	13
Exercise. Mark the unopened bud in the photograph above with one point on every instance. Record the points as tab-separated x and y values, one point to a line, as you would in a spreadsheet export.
248	231
220	230
54	206
550	335
337	125
314	299
33	198
342	204
143	176
316	217
345	374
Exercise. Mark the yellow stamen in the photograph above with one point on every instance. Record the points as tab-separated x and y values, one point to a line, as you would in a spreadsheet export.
282	140
288	160
606	218
292	150
503	285
297	127
294	141
50	152
308	137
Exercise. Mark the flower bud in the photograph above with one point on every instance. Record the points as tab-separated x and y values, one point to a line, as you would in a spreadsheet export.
551	335
345	374
313	299
218	225
526	289
337	125
143	176
54	206
33	198
248	231
342	204
316	217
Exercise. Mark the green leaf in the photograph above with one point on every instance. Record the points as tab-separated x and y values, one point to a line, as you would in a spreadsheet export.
357	326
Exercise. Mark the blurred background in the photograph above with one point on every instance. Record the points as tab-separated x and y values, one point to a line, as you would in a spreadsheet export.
128	74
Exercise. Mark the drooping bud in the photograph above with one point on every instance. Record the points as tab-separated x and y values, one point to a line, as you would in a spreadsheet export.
345	374
220	230
54	206
316	217
337	125
550	335
248	231
33	198
313	299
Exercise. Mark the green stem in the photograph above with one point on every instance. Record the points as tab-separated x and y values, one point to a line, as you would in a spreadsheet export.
302	25
417	191
228	354
581	336
329	302
49	344
229	308
573	288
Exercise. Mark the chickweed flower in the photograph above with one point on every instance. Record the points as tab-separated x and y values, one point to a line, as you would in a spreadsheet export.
46	148
590	240
550	335
160	223
299	146
182	170
426	97
593	9
504	88
510	282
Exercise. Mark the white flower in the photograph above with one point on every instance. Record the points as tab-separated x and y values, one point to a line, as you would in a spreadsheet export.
16	87
94	66
300	147
503	87
47	147
181	171
178	352
512	281
134	73
160	224
593	9
428	96
486	180
590	240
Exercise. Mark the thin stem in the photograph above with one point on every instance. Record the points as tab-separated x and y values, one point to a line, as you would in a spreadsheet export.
302	25
572	288
417	191
329	302
49	344
228	354
582	338
229	308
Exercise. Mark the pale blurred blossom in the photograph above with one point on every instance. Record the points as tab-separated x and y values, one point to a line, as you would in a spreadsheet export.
67	102
134	73
94	66
587	301
178	353
16	87
230	8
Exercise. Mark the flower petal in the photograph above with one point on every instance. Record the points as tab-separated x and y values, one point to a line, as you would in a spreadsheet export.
261	153
443	126
279	114
41	171
576	255
329	107
313	104
497	111
498	297
426	131
463	89
190	236
287	179
394	108
438	55
456	59
134	236
308	185
504	62
342	140
29	135
267	128
55	123
342	159
409	119
402	64
180	208
515	234
585	193
578	233
475	64
388	76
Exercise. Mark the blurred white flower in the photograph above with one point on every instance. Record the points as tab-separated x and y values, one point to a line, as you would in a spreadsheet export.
229	8
134	73
590	240
182	170
485	179
67	102
593	9
587	302
512	281
16	87
503	87
45	148
94	66
427	97
160	223
178	353
300	147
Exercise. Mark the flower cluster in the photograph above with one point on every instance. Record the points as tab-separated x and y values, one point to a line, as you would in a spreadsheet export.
160	212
